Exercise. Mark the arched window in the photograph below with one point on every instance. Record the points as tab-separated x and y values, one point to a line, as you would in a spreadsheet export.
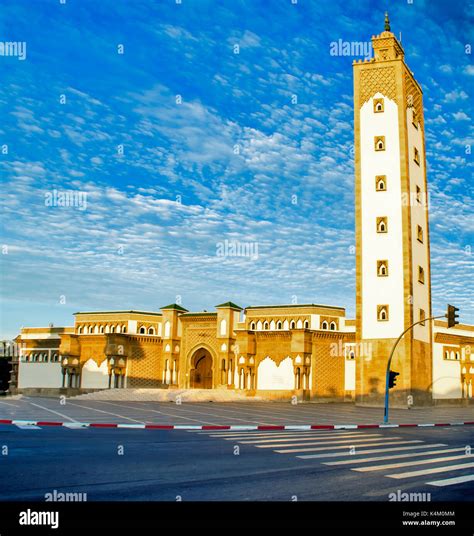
382	224
101	329
252	326
382	268
332	326
378	106
142	330
351	354
306	324
380	183
446	355
379	143
112	329
324	325
279	324
151	331
457	355
382	313
265	325
124	329
292	324
79	330
421	275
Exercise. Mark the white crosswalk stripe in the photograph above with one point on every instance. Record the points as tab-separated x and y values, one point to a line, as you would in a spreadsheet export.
348	447
394	456
367	451
409	464
303	439
452	481
282	435
423	472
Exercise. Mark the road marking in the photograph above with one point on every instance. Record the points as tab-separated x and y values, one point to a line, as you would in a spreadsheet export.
283	439
27	426
423	472
155	411
257	433
102	411
452	481
369	451
75	425
408	464
299	439
53	411
378	443
345	442
393	457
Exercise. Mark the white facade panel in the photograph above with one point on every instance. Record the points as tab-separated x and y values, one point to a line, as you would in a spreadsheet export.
381	246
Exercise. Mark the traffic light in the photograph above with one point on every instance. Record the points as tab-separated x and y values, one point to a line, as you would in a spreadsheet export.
452	316
392	379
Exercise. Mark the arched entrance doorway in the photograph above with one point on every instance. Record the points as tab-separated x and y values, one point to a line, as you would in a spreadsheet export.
201	371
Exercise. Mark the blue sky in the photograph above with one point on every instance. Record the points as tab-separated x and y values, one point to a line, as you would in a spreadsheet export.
259	151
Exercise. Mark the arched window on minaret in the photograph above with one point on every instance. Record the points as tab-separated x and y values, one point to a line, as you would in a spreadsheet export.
382	268
381	183
379	142
382	224
378	106
382	313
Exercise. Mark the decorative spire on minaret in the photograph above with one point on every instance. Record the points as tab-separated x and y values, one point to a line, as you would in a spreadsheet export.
387	22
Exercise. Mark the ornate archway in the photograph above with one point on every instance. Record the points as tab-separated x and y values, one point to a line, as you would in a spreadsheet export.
201	369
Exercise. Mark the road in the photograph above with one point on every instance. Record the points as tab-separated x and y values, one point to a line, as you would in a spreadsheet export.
165	465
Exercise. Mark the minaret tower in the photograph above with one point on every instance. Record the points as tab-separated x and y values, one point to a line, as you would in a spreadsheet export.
392	239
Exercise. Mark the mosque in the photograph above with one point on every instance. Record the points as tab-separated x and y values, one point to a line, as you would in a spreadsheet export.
311	351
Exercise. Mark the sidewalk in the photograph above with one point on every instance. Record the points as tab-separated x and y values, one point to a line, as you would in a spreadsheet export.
228	413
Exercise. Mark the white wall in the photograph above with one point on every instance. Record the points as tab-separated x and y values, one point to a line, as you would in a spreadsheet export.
418	217
273	377
93	376
350	375
375	246
446	374
39	375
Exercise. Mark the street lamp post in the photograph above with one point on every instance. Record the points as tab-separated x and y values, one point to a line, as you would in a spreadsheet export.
387	374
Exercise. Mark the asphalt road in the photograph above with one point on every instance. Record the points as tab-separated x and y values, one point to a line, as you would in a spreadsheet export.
339	465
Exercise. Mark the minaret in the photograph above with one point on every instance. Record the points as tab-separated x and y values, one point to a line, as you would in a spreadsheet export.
392	239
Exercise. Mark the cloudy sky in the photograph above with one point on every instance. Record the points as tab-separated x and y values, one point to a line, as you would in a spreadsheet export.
180	126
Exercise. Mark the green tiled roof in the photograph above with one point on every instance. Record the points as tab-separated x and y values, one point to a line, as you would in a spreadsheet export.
174	306
230	304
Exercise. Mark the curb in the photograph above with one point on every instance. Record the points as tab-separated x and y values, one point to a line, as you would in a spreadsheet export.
236	427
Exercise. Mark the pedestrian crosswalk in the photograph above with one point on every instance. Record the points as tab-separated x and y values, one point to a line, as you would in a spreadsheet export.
391	456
